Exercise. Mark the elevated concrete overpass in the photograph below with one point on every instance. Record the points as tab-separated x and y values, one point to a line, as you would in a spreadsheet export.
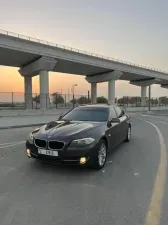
37	57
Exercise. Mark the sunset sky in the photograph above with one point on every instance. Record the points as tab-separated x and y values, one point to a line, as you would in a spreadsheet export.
130	30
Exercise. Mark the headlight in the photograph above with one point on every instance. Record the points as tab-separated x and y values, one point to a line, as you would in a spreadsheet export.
31	136
82	142
36	130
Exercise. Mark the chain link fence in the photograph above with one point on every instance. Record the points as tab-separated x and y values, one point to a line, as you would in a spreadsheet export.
142	102
16	100
137	101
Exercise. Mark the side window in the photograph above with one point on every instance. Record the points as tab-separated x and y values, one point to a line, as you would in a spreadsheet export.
118	111
112	113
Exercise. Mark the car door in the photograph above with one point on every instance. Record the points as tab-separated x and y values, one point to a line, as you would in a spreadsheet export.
123	126
112	130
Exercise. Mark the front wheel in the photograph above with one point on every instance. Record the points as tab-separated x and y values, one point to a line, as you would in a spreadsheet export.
101	156
128	138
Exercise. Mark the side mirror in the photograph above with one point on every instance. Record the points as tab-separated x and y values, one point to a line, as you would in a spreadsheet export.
60	117
123	112
109	123
114	120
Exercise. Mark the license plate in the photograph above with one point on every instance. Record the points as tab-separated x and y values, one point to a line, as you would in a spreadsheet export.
47	152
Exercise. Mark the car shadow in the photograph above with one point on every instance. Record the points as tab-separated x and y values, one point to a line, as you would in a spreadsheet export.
63	169
73	173
118	150
60	174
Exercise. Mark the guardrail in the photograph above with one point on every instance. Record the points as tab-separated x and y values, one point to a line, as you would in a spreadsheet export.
75	50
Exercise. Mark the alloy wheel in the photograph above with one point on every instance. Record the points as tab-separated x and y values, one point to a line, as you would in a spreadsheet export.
102	154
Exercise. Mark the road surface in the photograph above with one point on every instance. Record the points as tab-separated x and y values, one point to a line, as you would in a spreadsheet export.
122	193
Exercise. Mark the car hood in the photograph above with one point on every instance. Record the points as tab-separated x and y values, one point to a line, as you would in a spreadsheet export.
66	130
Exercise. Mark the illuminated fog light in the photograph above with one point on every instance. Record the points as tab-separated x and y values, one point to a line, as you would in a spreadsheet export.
28	153
82	160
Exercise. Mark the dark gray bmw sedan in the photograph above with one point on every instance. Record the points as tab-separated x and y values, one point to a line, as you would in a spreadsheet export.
83	136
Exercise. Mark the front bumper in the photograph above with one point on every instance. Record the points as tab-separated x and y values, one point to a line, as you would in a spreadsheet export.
65	156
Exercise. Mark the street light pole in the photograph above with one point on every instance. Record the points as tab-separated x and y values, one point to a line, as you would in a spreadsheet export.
73	90
149	98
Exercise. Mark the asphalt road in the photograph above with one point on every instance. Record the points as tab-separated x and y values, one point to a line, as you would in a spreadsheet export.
41	194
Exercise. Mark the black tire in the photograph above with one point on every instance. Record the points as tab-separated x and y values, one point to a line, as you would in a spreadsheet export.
97	161
128	138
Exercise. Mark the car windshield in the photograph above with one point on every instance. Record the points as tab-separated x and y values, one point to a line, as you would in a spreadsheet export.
88	114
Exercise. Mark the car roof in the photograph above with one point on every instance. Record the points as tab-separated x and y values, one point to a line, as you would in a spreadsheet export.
95	106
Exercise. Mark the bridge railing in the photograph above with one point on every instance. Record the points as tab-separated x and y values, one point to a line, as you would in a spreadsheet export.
75	50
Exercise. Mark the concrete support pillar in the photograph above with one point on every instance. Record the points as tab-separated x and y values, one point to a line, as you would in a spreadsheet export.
143	95
111	92
44	89
28	92
94	92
